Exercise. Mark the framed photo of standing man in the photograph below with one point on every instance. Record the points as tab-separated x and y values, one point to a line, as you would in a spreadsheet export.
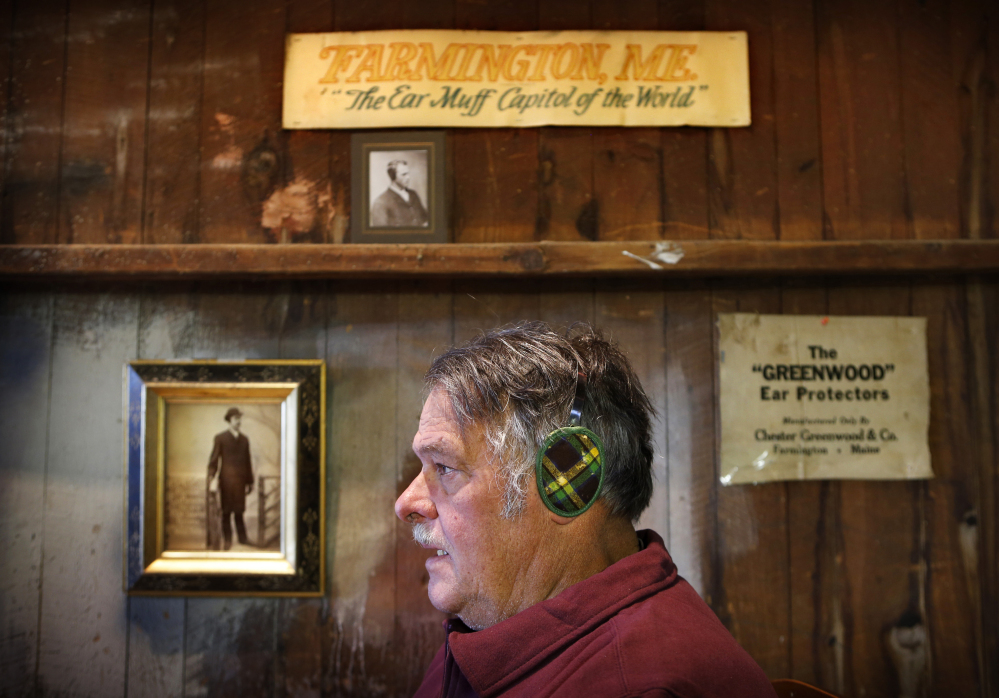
224	477
397	187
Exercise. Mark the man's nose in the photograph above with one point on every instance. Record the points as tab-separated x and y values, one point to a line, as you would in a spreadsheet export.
414	505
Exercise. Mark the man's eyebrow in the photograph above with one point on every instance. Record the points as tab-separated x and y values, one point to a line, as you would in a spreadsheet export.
435	448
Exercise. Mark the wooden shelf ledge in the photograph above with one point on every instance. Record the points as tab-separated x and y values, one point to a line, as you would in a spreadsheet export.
638	258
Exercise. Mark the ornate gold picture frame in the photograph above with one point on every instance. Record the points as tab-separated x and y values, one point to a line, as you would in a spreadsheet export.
225	478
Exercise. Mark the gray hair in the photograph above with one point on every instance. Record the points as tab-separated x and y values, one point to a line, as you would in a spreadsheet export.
518	383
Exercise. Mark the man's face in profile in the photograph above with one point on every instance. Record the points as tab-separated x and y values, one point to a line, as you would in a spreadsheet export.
402	175
235	421
480	561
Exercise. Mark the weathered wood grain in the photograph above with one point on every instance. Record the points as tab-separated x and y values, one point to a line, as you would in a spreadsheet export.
103	149
166	330
30	200
480	307
684	150
362	362
638	258
634	317
229	647
303	209
690	432
949	612
742	173
568	303
173	145
242	145
83	617
426	329
229	643
881	524
26	341
863	169
796	120
932	128
495	171
982	555
304	316
752	578
807	544
627	162
565	155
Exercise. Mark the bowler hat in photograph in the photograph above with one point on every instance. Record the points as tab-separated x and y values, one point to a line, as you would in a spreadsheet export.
233	412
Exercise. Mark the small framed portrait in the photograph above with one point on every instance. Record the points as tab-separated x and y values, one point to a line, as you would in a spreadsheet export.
225	477
397	187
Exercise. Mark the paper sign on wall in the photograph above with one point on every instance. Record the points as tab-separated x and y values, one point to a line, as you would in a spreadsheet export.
489	79
812	397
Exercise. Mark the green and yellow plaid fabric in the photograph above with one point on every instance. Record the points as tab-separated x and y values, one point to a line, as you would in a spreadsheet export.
570	470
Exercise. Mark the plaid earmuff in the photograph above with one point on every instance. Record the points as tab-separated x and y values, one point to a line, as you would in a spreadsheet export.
570	470
569	465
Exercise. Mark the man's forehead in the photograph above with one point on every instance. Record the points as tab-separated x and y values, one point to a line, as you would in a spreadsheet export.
440	432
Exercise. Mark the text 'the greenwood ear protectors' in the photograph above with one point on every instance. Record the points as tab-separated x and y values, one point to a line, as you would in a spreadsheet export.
569	465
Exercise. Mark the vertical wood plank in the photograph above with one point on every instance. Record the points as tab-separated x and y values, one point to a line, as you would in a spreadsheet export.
565	155
480	307
173	161
304	209
229	647
863	170
426	327
753	575
25	343
243	149
880	530
104	130
34	122
684	149
627	162
805	544
229	642
690	431
796	120
361	486
166	327
930	119
570	303
6	88
83	618
304	316
495	170
946	606
742	171
635	320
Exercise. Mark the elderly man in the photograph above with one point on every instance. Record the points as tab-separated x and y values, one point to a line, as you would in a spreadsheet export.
537	459
398	206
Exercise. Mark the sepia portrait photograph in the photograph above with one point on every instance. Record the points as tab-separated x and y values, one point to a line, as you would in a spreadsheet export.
397	187
223	476
224	479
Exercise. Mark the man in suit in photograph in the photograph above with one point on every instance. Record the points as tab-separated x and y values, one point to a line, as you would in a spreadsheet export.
231	460
398	206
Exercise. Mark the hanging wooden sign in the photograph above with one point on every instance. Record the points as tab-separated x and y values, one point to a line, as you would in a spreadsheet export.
810	397
496	79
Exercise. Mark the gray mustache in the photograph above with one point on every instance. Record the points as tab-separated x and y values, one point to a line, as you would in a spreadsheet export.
423	533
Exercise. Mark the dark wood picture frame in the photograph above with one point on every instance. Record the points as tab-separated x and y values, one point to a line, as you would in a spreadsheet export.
164	404
378	212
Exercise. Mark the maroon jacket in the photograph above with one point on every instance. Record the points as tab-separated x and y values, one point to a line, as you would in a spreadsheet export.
635	629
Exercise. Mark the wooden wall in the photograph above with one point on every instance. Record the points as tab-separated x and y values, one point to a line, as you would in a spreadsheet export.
159	121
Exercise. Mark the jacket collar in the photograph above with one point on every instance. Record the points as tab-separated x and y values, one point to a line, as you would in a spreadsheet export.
498	656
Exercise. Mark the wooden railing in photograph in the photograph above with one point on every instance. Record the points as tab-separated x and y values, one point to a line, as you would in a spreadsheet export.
268	510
